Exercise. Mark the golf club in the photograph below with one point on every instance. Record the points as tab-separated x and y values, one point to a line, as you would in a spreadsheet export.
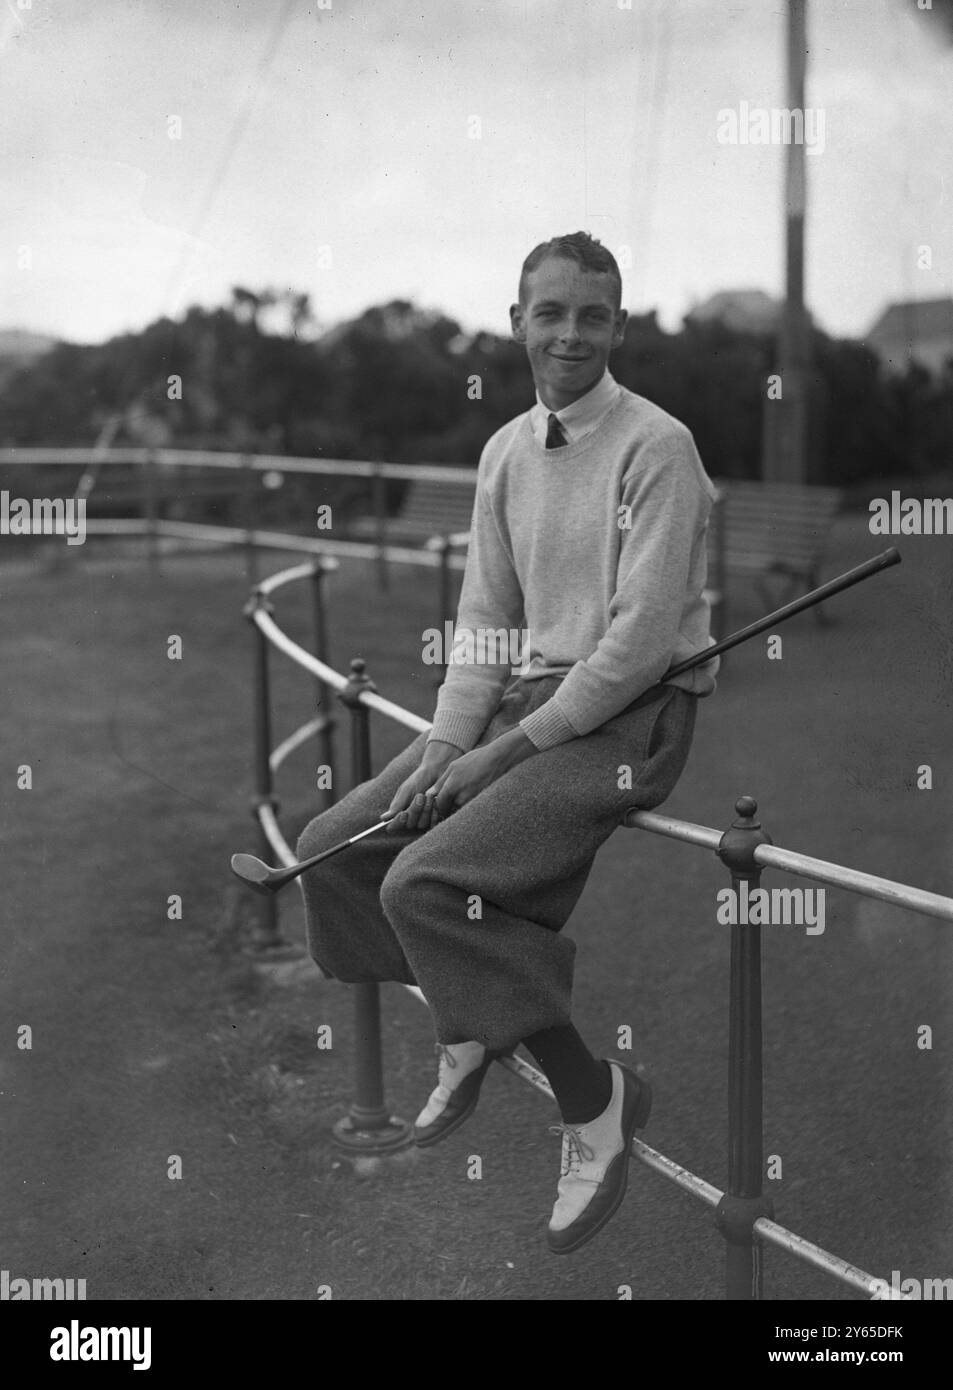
874	565
258	876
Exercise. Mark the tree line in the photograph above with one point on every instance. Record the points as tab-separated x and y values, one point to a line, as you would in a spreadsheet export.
404	384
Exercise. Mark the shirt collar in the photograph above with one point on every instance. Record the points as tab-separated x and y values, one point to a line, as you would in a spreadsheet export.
583	413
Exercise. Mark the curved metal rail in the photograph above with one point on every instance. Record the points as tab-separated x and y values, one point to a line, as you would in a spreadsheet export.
764	1230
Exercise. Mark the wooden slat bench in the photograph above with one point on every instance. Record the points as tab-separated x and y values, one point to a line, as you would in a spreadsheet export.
767	532
428	509
183	495
222	495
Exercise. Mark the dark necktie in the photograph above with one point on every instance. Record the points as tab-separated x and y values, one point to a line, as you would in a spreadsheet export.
555	434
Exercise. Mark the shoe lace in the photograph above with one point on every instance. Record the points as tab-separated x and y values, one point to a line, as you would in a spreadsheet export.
575	1150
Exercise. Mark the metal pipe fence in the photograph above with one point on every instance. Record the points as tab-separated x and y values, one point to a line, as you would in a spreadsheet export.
744	1215
256	463
159	473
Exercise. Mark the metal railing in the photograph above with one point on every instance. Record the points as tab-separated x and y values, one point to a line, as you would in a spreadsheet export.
441	551
744	1214
154	465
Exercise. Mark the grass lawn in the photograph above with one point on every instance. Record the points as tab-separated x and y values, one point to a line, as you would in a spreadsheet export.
155	1038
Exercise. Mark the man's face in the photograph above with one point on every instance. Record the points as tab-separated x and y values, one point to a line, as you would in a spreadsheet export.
569	322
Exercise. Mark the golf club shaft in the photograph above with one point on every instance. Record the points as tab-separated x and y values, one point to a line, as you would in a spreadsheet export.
798	605
293	870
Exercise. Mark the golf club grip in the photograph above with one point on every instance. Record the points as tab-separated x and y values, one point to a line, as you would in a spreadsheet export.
798	605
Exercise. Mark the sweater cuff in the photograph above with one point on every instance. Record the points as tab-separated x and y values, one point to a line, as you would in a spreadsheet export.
547	726
453	726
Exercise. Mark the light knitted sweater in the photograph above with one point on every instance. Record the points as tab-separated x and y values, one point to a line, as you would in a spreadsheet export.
599	550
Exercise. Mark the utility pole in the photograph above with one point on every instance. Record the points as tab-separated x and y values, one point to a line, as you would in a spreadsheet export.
785	435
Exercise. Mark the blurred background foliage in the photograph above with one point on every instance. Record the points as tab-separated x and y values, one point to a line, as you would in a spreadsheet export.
401	383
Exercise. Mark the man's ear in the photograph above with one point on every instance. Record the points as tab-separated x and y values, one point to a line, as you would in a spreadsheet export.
618	332
518	322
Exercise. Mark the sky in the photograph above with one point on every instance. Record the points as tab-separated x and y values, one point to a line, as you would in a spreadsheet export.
153	153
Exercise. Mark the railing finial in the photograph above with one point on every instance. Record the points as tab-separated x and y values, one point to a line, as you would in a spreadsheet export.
358	683
742	838
258	602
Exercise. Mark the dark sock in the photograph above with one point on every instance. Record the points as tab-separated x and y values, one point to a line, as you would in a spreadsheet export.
581	1083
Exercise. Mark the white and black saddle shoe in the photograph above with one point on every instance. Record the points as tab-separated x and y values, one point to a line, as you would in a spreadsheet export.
453	1100
595	1163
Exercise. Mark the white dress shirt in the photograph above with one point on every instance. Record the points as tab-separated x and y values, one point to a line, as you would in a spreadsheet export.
580	418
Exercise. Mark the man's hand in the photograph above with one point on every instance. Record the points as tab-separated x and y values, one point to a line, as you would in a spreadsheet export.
412	808
470	774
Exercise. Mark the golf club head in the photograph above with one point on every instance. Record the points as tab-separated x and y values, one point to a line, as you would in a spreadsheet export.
254	873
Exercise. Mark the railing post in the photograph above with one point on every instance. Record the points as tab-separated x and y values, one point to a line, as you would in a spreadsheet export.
268	936
248	517
744	1201
320	627
150	508
379	493
367	1128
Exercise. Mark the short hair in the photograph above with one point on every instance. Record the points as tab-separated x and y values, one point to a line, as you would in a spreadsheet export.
580	247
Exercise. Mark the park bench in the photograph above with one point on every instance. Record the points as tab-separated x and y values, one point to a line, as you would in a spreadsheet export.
186	494
428	509
222	495
774	535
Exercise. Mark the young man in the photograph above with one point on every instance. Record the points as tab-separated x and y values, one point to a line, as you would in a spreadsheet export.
589	532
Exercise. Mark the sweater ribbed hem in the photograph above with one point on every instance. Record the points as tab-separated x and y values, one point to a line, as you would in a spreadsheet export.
453	726
547	726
